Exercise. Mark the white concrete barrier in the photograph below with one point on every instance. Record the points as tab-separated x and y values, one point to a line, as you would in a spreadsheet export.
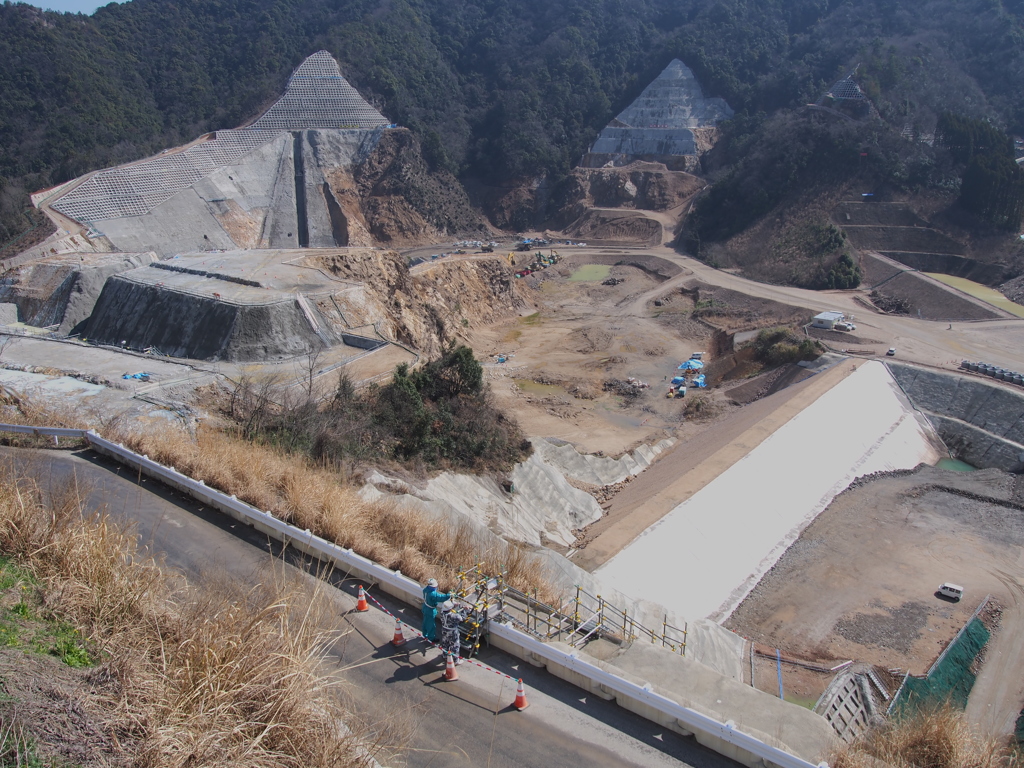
723	738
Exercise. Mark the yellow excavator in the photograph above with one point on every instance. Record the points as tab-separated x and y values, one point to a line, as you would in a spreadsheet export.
511	259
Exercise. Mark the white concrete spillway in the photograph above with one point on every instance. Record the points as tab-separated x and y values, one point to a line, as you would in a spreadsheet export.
704	557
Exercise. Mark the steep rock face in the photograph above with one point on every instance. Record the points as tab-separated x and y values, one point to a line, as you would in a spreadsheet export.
640	186
404	201
427	308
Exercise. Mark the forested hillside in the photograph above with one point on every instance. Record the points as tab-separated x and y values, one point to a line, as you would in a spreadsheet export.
502	90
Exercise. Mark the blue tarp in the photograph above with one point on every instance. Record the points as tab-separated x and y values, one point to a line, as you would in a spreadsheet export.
699	381
141	376
677	380
691	365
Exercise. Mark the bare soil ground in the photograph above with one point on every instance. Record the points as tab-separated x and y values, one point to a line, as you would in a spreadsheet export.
860	582
579	336
575	337
930	300
67	712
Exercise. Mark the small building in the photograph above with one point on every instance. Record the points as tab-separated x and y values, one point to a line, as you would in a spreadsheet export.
827	320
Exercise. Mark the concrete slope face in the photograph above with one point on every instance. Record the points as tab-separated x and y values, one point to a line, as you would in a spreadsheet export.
659	125
264	185
706	555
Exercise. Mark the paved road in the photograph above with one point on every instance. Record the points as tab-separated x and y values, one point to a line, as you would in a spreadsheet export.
465	723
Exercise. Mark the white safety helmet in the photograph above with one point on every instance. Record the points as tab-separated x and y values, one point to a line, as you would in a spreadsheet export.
447	605
431	582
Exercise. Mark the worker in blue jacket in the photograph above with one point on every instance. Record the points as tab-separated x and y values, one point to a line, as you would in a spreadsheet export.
432	597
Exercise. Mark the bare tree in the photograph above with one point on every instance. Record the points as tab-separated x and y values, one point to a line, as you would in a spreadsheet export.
311	366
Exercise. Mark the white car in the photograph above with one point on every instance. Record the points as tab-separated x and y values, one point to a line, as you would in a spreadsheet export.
891	352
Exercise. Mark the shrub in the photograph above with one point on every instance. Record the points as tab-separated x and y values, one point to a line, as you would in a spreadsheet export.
939	737
440	415
779	346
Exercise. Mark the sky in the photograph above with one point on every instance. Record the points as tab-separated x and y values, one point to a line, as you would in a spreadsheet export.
72	6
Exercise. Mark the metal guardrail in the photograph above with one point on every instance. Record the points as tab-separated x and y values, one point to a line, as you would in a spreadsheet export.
638	698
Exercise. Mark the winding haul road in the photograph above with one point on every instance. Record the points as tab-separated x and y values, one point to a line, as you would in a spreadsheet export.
465	723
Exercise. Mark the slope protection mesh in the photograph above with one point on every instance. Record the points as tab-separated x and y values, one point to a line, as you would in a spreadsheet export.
660	121
318	96
846	88
674	99
132	190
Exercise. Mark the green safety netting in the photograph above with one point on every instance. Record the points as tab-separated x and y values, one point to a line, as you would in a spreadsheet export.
952	680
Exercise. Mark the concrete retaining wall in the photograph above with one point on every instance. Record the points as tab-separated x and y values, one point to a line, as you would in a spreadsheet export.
560	660
981	423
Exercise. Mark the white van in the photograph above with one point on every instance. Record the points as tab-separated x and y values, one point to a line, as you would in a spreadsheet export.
952	591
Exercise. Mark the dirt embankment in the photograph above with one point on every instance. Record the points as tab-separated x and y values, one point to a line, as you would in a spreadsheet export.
394	198
913	295
427	309
39	229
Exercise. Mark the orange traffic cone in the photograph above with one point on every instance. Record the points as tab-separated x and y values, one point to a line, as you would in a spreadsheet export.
520	703
450	673
399	638
362	605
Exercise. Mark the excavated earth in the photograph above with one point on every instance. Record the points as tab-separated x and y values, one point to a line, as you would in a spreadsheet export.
260	305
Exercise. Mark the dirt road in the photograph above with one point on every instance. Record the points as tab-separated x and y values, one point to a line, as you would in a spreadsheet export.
998	693
931	343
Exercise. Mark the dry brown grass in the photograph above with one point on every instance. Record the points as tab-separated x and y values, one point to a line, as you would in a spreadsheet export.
934	738
313	498
15	409
222	675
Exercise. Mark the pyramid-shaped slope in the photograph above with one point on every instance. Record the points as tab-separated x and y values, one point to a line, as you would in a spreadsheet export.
318	96
659	124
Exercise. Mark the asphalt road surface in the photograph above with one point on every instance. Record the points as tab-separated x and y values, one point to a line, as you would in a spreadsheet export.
469	722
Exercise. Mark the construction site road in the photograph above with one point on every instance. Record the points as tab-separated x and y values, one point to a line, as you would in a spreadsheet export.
996	696
469	722
923	341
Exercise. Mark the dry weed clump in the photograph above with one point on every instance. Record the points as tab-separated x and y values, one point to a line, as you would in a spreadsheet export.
311	497
15	409
214	674
939	737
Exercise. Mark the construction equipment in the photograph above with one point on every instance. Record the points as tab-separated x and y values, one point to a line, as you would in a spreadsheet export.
483	594
511	259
